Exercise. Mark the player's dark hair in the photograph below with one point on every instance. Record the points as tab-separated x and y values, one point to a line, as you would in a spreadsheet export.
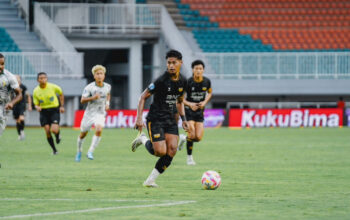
173	53
197	62
1	55
41	73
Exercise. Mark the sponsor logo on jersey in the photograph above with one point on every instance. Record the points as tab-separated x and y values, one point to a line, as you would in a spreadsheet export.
204	88
181	89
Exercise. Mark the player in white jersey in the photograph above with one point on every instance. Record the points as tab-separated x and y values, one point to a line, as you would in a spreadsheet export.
8	82
97	95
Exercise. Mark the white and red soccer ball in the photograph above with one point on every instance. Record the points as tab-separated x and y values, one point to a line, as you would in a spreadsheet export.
211	180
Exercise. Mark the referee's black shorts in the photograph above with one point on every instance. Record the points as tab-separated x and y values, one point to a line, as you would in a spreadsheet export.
197	116
49	116
18	110
158	129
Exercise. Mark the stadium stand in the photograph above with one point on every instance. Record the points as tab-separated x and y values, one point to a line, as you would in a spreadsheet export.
268	25
6	42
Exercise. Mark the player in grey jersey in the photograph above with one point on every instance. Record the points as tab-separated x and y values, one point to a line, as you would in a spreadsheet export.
97	95
8	82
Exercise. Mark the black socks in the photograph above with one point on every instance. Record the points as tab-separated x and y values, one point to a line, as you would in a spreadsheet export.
163	163
58	138
189	146
20	127
52	144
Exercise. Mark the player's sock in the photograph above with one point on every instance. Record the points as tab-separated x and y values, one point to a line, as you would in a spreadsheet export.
189	146
80	145
22	125
19	128
52	144
58	138
94	143
152	177
163	163
149	147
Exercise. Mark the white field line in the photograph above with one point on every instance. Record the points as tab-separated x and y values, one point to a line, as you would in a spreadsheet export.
78	200
97	209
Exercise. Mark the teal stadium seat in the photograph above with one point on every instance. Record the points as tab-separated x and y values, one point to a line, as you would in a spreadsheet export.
6	42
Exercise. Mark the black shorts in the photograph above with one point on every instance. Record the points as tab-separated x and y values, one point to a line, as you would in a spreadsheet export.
196	116
18	110
157	130
50	116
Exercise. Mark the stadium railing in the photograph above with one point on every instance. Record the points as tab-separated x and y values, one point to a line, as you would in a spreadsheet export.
55	39
118	18
28	64
278	65
104	18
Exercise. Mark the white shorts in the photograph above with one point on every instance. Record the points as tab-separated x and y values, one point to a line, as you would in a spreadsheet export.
88	121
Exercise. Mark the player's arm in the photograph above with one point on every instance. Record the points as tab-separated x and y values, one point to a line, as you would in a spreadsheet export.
61	97
181	109
108	99
192	105
140	107
206	100
29	100
85	98
14	101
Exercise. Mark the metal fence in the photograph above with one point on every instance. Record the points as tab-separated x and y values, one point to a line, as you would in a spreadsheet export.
105	18
28	64
298	65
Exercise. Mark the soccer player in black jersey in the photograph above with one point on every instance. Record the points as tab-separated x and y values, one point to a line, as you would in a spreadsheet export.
20	108
198	94
168	92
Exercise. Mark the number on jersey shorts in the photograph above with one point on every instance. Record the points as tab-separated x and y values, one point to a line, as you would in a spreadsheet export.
88	121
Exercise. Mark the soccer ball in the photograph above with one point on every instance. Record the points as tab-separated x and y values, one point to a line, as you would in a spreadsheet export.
211	180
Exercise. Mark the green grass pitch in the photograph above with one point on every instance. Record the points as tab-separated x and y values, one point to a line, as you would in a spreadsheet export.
266	174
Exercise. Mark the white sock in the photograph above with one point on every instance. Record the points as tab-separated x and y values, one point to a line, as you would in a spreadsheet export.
80	145
153	176
94	143
144	139
189	157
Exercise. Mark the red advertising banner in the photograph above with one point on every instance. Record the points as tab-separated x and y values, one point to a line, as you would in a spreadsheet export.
327	117
127	118
114	118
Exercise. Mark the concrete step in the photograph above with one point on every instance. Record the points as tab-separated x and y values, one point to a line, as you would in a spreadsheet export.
7	12
13	26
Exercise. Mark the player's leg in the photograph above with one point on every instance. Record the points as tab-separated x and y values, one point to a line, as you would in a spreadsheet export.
2	120
55	123
198	131
159	148
45	123
21	126
49	138
15	113
189	143
95	141
84	129
154	132
99	121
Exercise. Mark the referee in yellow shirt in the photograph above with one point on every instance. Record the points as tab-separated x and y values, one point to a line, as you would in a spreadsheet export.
46	102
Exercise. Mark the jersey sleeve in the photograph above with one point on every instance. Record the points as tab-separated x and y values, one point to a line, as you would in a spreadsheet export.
86	92
58	89
13	82
153	87
35	98
209	86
